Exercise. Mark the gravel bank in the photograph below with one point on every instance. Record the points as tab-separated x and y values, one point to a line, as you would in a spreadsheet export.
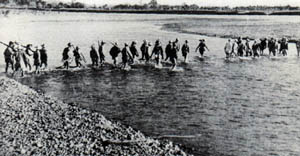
35	124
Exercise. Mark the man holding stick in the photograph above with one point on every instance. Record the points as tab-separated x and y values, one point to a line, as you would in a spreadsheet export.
8	55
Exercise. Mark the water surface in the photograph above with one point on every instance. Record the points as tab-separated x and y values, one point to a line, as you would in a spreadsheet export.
248	108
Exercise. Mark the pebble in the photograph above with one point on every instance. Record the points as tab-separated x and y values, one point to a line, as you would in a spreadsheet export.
47	126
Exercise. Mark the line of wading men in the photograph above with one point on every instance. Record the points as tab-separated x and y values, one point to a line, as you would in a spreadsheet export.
15	54
257	48
130	53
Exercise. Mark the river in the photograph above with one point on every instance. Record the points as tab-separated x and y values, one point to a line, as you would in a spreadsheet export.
248	108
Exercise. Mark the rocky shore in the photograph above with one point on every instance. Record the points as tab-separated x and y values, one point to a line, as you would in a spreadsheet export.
36	124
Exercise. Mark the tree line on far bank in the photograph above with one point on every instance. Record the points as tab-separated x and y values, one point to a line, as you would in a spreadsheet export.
152	5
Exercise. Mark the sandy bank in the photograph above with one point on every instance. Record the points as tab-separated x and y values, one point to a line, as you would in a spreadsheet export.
35	124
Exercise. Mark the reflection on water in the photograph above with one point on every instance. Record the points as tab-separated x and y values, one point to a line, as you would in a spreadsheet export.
247	108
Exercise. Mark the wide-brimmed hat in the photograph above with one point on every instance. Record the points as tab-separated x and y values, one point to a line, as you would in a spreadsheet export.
102	42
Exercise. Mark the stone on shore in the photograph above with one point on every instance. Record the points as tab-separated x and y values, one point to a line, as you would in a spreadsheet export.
36	124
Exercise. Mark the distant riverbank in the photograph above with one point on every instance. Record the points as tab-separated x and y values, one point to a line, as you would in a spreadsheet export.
188	12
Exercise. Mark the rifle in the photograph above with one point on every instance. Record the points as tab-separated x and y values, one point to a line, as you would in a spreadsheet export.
4	43
25	46
111	43
8	46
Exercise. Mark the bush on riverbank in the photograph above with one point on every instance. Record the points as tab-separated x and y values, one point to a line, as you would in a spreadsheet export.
35	124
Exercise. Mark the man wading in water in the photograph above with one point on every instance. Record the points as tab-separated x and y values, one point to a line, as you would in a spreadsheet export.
94	56
36	61
157	51
100	51
202	46
255	49
125	55
77	57
185	50
240	49
66	57
228	48
134	51
177	45
26	56
143	49
17	55
173	56
114	52
284	47
263	45
8	56
168	50
44	56
248	48
272	47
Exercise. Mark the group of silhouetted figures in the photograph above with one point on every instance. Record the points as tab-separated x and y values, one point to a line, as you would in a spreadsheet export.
130	53
18	57
241	49
16	54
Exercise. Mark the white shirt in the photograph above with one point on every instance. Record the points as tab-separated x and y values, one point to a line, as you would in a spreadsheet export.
228	47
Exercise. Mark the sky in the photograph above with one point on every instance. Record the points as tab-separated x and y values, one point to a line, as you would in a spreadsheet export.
230	3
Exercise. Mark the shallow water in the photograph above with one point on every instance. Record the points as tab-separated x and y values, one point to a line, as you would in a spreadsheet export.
247	108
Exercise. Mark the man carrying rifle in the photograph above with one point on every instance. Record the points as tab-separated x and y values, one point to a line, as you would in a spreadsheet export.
8	55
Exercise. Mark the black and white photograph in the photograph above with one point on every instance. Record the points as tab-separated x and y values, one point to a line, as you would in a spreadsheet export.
150	78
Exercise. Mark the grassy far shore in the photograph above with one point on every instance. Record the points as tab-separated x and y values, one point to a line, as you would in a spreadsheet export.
36	124
151	11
